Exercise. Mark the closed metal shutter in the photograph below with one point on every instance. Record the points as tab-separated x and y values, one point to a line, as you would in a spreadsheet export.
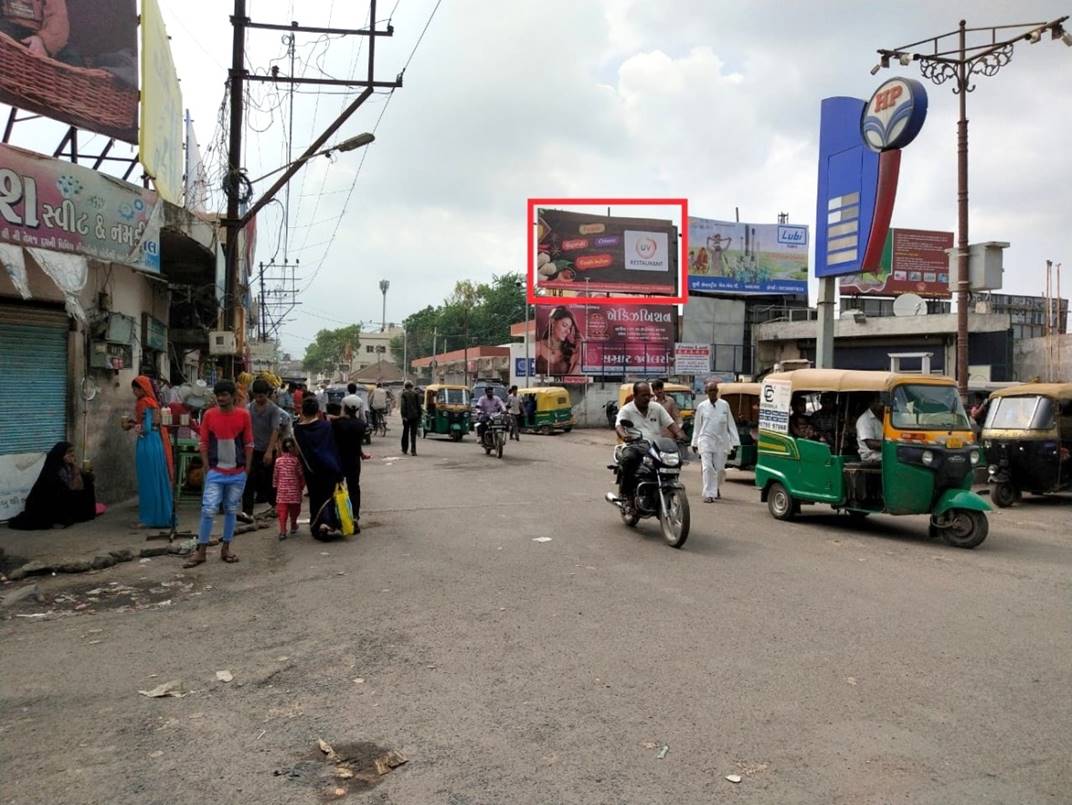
33	379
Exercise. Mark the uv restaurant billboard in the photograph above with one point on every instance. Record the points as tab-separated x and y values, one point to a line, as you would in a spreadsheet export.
50	204
72	60
605	339
588	252
913	260
747	258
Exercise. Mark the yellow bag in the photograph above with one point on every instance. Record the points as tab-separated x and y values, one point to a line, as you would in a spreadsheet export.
343	509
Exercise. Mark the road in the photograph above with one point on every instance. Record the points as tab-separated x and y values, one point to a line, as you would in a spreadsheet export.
817	662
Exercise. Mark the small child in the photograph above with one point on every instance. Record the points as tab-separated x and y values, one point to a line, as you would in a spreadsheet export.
289	480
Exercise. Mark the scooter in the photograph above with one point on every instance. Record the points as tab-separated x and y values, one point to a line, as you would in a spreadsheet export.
659	491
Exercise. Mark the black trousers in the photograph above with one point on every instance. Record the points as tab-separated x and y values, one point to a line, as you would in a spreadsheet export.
259	487
353	486
409	434
629	464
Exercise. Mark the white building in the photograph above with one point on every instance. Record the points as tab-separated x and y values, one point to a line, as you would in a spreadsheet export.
375	347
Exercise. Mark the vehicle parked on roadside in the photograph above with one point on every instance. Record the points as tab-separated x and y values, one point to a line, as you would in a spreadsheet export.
927	450
553	409
1027	436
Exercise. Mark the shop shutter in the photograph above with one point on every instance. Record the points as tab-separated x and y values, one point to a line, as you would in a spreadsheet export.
33	379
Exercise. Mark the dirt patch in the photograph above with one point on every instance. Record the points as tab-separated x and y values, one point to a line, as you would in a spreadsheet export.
336	772
114	596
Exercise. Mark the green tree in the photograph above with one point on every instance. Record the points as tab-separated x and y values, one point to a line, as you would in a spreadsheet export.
330	347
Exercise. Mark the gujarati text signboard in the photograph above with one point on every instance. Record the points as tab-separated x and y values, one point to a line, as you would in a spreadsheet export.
619	340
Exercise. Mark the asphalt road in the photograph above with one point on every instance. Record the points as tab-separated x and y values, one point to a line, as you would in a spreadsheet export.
819	663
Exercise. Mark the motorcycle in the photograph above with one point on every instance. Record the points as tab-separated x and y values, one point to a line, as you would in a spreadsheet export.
659	491
494	435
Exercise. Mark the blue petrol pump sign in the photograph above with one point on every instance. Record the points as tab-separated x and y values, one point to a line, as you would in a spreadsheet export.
859	163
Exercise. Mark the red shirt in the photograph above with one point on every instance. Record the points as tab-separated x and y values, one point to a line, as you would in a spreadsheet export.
227	437
288	479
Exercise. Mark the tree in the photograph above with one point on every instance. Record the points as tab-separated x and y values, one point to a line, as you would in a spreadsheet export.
330	348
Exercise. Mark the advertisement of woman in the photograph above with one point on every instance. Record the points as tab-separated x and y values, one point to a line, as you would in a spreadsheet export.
558	344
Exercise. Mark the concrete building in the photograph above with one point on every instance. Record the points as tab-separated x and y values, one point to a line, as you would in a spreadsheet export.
375	348
450	367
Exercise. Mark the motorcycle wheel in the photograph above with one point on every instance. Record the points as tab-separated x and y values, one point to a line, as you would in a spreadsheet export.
967	528
1003	495
675	519
500	446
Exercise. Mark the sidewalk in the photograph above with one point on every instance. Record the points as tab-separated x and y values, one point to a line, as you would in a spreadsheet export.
102	542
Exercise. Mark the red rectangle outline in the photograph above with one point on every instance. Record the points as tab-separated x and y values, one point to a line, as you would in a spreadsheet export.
683	255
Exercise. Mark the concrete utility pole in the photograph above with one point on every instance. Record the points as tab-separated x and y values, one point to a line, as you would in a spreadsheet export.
959	64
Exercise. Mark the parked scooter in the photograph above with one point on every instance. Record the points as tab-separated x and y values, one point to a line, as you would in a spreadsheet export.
659	491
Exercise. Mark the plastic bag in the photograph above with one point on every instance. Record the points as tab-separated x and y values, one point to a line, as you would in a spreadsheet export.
343	509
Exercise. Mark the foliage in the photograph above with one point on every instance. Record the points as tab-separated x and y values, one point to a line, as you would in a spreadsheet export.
330	348
484	310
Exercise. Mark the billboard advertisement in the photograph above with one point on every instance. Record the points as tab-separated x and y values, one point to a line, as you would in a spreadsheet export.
912	261
50	204
605	340
160	147
741	258
72	60
593	253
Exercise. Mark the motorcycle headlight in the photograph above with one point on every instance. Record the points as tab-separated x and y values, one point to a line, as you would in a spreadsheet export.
974	457
927	458
992	469
670	459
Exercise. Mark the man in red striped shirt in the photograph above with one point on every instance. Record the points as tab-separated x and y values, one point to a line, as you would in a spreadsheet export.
226	454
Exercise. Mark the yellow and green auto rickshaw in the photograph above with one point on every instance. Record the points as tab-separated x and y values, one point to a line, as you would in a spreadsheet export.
680	393
1027	436
553	409
446	411
743	400
922	464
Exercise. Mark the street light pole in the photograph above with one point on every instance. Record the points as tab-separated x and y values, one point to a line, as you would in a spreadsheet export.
960	64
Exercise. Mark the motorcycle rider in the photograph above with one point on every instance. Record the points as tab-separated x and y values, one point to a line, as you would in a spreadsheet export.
486	406
650	419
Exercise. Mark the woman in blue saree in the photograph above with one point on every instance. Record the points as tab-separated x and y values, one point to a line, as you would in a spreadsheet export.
152	456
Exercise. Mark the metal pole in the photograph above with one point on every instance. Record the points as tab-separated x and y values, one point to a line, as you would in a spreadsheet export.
234	163
263	313
528	363
824	342
963	280
405	354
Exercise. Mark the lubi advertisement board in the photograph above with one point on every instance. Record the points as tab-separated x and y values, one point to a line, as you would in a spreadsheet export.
742	258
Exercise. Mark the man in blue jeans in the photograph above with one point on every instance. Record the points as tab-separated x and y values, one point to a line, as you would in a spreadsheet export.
226	440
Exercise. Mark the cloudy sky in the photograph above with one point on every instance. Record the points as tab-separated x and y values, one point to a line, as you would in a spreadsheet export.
710	100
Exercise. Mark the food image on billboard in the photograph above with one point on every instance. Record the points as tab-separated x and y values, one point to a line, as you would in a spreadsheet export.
72	60
741	258
605	339
589	252
913	261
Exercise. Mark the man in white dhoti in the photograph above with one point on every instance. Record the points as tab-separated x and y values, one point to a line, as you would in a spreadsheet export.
714	434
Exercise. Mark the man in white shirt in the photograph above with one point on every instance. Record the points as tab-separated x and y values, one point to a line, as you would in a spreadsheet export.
649	418
352	400
714	434
869	432
378	402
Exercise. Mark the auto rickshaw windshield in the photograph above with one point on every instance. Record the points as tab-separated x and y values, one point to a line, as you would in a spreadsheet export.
454	396
683	399
1020	413
922	407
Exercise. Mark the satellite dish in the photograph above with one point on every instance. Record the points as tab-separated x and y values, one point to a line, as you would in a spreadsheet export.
909	304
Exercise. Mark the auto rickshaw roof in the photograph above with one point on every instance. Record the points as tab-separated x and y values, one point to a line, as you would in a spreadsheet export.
542	390
854	380
666	386
438	386
1058	391
751	389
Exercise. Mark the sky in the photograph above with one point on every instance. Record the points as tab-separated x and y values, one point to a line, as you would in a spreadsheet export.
712	100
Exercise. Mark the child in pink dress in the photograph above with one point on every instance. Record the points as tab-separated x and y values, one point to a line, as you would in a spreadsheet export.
289	481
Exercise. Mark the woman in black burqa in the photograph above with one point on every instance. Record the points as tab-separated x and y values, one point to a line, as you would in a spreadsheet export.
62	495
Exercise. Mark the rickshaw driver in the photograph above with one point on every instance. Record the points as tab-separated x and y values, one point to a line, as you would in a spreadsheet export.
869	432
649	418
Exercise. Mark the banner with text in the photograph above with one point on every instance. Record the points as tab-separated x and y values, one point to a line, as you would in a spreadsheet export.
587	252
692	359
913	261
740	258
50	204
605	340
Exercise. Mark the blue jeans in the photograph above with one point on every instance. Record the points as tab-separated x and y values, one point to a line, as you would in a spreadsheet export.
220	488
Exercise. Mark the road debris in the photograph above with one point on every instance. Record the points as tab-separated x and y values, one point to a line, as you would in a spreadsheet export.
157	753
391	760
733	778
664	750
224	676
541	539
326	748
174	688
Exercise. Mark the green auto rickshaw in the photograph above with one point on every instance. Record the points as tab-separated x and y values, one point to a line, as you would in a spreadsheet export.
915	455
446	411
743	400
553	409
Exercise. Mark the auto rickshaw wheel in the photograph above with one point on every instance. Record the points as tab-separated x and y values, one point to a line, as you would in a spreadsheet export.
456	435
546	430
780	503
1004	495
964	528
567	429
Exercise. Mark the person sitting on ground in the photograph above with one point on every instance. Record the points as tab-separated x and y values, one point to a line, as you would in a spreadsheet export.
61	496
869	432
800	426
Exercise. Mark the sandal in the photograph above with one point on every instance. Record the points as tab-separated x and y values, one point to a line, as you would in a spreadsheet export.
195	560
228	557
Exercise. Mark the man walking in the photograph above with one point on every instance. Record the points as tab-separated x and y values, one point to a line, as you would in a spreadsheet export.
227	455
714	434
267	418
513	405
666	401
411	418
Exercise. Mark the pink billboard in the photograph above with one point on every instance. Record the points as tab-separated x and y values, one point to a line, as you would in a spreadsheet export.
605	340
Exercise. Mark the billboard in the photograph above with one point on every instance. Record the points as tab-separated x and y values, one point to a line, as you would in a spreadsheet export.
160	147
741	258
50	204
912	261
72	60
593	253
605	339
692	359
